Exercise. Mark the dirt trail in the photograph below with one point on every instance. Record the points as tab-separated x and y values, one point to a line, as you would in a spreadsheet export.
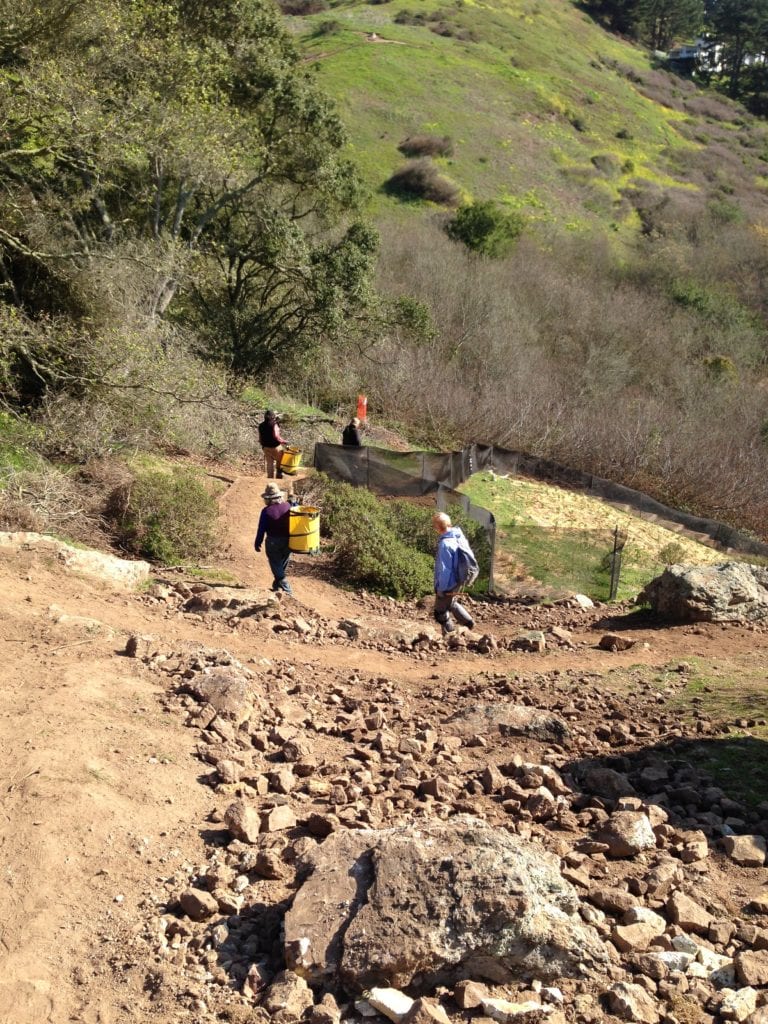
83	804
99	787
240	507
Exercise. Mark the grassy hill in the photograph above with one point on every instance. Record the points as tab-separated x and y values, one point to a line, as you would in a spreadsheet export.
547	112
564	538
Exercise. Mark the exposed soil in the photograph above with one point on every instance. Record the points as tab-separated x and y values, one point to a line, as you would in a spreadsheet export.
107	806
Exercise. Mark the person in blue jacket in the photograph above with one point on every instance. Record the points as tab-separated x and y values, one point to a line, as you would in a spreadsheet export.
274	525
447	582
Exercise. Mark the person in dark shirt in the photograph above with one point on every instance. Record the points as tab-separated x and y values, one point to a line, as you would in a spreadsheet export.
274	526
350	436
271	441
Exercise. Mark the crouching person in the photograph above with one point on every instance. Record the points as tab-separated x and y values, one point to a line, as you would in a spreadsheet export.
274	524
455	567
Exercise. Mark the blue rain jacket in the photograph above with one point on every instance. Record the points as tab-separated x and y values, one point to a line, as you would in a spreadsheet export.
446	573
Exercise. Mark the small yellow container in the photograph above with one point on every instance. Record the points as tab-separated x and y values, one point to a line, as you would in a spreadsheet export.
304	530
290	460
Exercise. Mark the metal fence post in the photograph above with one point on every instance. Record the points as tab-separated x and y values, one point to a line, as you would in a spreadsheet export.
492	560
619	540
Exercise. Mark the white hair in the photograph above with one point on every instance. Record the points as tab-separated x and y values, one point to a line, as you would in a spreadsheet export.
441	519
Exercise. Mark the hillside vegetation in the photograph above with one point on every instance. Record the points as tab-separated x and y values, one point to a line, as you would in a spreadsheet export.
546	111
624	332
186	230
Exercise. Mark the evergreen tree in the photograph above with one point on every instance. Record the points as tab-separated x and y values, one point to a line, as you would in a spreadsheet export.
186	140
740	28
661	23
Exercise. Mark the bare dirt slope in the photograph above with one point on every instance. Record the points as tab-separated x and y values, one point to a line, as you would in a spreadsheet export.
101	798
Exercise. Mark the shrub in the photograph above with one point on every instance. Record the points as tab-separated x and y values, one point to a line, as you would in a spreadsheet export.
607	163
672	553
169	517
720	367
451	31
302	7
486	228
413	523
420	179
328	27
387	545
47	499
17	441
367	550
723	211
427	145
406	17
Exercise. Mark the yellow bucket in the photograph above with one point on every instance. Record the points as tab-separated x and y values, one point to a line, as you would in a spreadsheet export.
290	460
304	529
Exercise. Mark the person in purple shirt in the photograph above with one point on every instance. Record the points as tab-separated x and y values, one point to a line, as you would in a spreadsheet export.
273	525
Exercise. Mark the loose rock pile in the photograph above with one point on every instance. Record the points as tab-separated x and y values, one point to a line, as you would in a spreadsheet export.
539	848
263	614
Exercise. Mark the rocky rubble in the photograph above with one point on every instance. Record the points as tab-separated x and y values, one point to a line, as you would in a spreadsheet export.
536	849
265	614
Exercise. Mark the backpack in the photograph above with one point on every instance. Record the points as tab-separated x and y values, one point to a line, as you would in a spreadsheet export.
467	569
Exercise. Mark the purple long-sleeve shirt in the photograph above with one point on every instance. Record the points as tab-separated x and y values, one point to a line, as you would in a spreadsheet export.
273	521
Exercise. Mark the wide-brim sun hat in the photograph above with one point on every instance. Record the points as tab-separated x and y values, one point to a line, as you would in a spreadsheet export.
273	491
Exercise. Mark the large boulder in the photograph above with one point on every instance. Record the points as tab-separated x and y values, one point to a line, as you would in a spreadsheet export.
118	572
728	592
421	906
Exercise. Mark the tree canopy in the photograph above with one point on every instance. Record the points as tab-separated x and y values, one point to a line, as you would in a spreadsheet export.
175	155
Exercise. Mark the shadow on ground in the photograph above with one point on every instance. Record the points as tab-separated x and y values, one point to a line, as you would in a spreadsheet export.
713	784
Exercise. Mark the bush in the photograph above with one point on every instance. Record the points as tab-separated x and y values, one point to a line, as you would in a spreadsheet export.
420	179
672	553
328	27
367	551
302	7
413	524
406	17
723	211
486	228
169	517
607	163
427	145
46	499
17	440
386	545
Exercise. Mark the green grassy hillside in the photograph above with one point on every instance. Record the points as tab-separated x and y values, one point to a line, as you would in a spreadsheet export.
547	112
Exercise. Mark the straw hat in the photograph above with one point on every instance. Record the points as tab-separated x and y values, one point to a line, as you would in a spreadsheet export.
273	493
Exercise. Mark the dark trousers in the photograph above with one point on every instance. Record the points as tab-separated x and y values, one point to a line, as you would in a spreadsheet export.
446	607
278	554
